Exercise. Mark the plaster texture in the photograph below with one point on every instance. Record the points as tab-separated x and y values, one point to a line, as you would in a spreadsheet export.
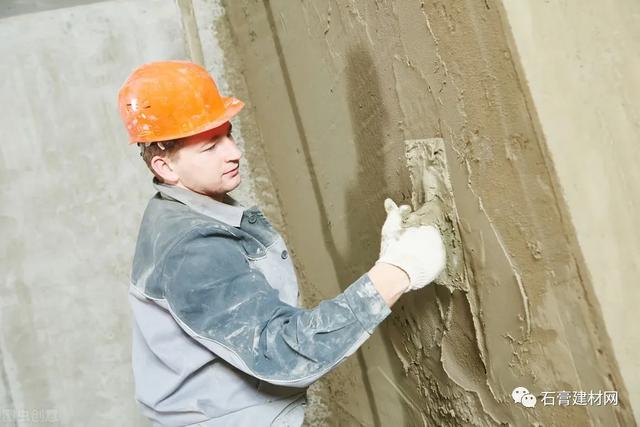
338	87
581	63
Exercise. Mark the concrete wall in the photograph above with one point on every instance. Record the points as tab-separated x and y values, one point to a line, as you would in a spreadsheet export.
73	192
22	7
338	87
581	63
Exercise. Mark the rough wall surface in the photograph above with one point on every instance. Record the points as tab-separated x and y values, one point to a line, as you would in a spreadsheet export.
22	7
592	132
338	87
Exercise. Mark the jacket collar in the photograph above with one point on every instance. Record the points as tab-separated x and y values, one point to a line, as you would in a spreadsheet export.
229	212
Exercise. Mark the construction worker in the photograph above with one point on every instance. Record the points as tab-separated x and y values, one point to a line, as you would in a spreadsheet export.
218	336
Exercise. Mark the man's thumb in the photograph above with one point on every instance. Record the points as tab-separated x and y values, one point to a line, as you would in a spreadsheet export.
389	205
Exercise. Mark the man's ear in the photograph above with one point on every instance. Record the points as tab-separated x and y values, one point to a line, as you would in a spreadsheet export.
163	167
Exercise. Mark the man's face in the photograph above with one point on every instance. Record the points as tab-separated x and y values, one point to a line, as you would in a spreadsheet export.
209	162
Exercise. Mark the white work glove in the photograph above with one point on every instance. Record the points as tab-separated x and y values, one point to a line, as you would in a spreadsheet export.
419	251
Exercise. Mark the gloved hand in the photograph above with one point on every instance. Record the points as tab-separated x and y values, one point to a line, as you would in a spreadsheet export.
419	251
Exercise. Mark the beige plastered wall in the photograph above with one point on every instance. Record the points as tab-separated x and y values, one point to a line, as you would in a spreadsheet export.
581	62
337	87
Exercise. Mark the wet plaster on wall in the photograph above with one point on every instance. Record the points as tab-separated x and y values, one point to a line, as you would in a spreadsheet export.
351	82
591	133
463	345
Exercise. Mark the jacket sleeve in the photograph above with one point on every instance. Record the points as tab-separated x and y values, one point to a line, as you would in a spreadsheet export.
229	307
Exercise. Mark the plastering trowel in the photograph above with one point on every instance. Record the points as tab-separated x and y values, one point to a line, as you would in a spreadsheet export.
433	203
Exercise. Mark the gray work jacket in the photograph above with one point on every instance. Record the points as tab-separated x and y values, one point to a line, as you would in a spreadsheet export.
218	337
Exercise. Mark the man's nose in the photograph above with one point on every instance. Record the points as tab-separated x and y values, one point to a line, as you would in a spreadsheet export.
233	151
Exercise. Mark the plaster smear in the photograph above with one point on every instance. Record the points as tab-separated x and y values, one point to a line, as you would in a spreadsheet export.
352	81
596	120
433	203
463	349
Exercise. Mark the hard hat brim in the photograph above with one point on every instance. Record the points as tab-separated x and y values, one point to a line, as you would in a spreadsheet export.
232	106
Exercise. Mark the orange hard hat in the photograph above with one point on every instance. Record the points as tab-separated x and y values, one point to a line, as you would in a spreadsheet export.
167	100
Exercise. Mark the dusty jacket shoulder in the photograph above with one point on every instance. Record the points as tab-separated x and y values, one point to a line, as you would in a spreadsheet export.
165	223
